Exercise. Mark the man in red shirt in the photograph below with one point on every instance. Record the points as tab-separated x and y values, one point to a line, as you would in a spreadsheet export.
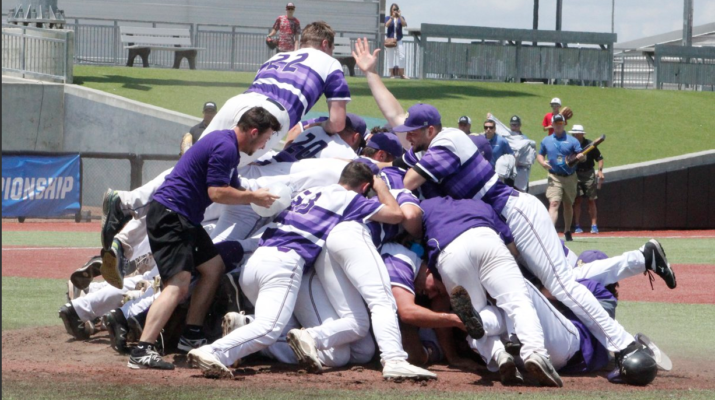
555	105
288	29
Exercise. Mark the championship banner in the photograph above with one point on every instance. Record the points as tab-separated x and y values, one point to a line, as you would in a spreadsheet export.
40	186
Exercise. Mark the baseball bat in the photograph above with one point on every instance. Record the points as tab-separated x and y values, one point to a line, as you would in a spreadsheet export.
571	160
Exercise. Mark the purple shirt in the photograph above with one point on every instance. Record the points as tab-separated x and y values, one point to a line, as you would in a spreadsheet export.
445	219
211	162
394	177
454	162
298	79
402	265
305	224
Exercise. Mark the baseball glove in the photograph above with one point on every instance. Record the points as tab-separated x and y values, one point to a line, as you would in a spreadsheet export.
566	112
272	42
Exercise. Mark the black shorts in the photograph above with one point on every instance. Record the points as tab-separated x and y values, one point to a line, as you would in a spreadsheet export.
176	243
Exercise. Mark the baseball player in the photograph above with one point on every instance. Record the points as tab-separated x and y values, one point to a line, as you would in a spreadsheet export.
272	276
446	158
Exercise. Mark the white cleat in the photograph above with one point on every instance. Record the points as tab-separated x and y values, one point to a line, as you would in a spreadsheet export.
209	364
234	320
401	369
303	345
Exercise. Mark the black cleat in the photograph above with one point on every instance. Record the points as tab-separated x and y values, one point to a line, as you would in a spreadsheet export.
82	277
113	218
655	261
462	306
118	328
147	359
73	324
568	237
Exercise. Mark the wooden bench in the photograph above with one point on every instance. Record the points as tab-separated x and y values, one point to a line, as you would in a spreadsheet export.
343	52
141	41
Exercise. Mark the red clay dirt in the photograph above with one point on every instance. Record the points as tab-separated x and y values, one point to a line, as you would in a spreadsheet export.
44	263
49	354
51	226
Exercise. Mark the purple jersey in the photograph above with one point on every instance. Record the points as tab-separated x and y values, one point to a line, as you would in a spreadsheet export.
402	265
383	233
593	355
445	219
483	145
394	177
305	225
211	162
298	79
454	162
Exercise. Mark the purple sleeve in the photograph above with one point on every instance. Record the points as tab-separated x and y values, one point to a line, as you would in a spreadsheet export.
313	121
235	182
222	161
410	158
438	163
361	209
401	274
336	87
407	197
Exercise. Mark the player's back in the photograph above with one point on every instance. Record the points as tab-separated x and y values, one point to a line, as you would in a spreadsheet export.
297	80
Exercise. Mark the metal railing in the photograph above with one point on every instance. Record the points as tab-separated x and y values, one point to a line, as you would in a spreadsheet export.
37	53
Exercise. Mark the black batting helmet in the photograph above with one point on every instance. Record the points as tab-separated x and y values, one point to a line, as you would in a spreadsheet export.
639	367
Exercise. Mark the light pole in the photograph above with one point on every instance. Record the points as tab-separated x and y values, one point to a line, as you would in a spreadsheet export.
613	16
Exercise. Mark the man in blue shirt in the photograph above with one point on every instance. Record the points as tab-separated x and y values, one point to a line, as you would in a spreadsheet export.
562	178
500	146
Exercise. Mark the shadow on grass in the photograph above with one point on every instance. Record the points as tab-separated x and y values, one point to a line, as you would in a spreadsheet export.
146	84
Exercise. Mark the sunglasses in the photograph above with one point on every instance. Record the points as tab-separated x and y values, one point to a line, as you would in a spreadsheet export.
488	127
290	8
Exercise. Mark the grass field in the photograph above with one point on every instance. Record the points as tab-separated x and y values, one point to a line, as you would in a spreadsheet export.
657	123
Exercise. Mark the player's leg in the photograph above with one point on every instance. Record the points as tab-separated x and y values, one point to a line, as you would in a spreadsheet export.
236	222
543	254
201	298
577	214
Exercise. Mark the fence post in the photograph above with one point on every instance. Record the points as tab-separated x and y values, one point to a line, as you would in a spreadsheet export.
136	163
22	59
78	215
423	59
233	48
116	43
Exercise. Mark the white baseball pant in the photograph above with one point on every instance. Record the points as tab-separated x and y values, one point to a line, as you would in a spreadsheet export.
542	252
271	281
232	111
353	271
478	260
612	270
137	200
96	304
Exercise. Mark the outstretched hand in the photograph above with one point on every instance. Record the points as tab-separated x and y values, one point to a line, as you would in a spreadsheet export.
366	61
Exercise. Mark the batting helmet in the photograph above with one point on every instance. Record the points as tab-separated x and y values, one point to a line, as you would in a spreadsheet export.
639	367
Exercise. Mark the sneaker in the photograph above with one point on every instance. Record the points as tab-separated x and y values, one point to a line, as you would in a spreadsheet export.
303	345
73	292
462	306
401	369
568	237
540	367
186	345
234	320
508	372
73	324
210	365
655	261
147	358
113	265
82	277
186	142
577	229
594	229
113	218
118	328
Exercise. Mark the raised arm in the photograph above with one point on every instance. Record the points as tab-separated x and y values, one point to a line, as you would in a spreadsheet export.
367	62
336	120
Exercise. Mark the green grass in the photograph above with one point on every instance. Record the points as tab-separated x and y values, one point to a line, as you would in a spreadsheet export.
640	124
50	239
30	302
62	390
679	251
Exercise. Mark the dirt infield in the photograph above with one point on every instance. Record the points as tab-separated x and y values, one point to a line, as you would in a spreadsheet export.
48	353
51	226
45	262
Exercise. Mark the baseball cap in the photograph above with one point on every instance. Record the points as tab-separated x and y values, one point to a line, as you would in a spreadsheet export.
557	118
464	120
589	256
290	5
210	105
419	116
373	167
515	120
387	142
577	129
356	123
556	100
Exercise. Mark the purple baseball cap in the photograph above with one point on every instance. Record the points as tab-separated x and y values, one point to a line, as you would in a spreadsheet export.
420	116
373	167
387	142
356	123
589	256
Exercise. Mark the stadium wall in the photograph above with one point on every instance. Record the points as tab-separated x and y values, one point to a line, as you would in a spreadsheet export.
670	193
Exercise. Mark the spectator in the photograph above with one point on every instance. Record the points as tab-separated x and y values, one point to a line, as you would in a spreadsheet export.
562	178
465	124
288	29
555	105
197	130
394	22
524	152
499	145
587	183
